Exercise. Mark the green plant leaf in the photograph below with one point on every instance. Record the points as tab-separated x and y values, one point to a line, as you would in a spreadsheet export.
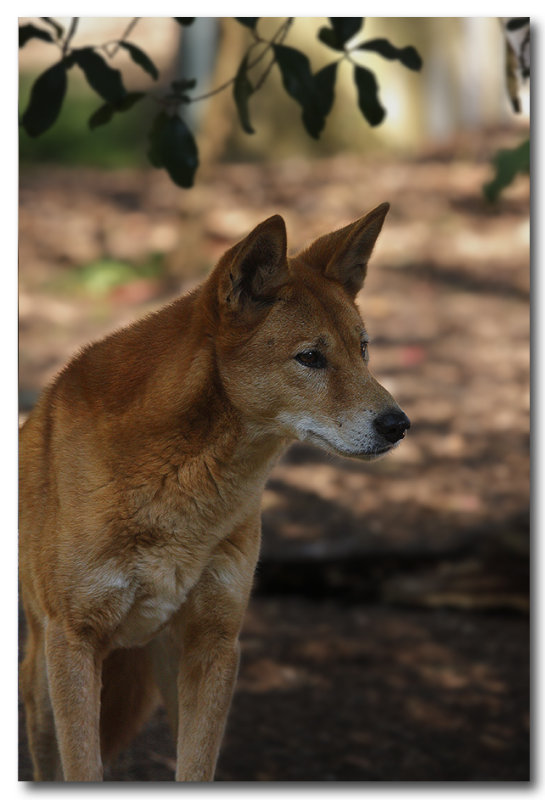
368	100
315	113
185	21
101	116
180	154
298	82
184	84
328	36
516	23
324	82
129	100
346	27
106	111
46	98
408	56
342	29
173	147
59	30
106	81
27	32
508	164
248	22
141	58
296	72
242	91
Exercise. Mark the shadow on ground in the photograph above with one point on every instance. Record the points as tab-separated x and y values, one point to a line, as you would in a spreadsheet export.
388	636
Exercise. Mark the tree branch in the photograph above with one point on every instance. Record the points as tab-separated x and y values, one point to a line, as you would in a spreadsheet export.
70	34
126	32
278	36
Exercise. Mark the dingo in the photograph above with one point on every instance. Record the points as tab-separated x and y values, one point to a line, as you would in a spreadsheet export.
142	469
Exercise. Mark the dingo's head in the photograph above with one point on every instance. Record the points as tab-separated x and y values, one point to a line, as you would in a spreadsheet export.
292	348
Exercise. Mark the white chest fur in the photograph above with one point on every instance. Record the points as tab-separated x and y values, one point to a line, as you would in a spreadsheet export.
157	599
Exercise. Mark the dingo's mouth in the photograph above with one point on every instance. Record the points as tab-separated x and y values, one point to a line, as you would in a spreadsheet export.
346	452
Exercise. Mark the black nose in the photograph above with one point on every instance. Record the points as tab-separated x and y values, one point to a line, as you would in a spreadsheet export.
392	425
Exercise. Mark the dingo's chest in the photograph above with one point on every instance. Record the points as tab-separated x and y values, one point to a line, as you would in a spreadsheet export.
155	602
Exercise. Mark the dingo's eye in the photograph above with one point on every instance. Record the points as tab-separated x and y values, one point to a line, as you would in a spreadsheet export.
311	358
365	350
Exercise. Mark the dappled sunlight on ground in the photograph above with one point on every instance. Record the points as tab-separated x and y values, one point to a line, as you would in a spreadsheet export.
392	678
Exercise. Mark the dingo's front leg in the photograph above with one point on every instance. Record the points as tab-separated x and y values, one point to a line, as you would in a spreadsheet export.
74	674
42	739
210	623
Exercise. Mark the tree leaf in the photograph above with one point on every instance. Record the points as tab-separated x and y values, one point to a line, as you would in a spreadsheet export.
368	101
329	37
106	81
299	83
315	113
324	82
515	23
408	56
185	21
248	22
296	72
346	27
342	29
508	164
130	99
46	98
105	113
184	84
173	147
101	116
59	30
180	154
242	91
27	32
141	58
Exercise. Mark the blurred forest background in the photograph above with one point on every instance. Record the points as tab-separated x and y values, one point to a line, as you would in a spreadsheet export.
388	636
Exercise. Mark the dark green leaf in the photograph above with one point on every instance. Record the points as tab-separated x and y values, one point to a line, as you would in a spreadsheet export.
105	113
516	23
180	154
130	99
368	101
173	147
346	27
185	20
296	72
329	37
27	32
342	29
248	22
299	83
324	82
105	80
313	120
242	91
141	58
408	56
184	84
101	116
508	164
315	113
46	98
59	30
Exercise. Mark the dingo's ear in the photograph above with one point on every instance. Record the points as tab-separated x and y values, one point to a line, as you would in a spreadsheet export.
257	266
343	254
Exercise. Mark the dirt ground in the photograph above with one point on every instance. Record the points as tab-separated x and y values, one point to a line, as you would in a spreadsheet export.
388	638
